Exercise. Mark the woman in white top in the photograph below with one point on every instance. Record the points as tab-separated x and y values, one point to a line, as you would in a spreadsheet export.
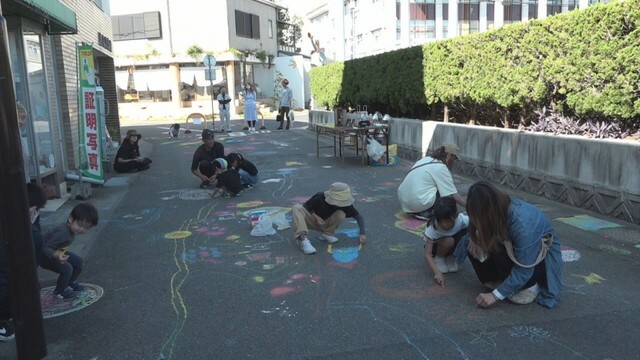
250	112
429	179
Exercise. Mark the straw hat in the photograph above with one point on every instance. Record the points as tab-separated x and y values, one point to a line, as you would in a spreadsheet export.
339	195
452	149
131	133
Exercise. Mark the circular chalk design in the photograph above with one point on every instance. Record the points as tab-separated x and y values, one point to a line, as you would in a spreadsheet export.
177	235
52	306
569	254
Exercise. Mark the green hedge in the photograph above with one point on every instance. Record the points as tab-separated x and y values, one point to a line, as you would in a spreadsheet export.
584	62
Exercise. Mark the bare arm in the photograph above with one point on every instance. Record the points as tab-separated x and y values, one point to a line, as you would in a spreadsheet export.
438	277
460	200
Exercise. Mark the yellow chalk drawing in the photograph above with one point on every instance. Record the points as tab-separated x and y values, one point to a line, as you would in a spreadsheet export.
408	223
233	237
293	163
591	278
258	279
330	248
177	235
402	248
249	204
485	337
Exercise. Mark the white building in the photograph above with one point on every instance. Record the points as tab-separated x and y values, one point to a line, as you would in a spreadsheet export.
367	27
152	40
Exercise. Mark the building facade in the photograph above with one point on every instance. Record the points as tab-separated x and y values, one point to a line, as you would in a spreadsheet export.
368	27
160	45
43	39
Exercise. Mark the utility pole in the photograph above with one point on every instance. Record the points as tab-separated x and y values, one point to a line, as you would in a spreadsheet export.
16	246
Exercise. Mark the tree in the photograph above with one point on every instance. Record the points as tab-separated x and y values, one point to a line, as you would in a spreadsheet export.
289	30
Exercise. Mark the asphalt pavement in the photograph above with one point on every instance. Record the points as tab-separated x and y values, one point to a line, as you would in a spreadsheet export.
184	279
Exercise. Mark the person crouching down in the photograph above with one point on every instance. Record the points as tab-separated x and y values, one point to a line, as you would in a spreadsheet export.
174	131
246	169
324	211
444	232
204	156
227	179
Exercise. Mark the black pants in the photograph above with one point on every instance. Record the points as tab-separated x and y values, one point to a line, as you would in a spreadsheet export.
498	267
284	112
206	168
123	167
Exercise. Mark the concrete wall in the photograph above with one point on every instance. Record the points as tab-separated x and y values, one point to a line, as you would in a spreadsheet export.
599	175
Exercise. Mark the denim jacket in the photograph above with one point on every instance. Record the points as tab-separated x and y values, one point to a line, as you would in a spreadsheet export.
526	227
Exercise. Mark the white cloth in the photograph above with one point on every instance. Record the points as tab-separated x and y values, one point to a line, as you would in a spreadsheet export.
462	222
418	190
223	97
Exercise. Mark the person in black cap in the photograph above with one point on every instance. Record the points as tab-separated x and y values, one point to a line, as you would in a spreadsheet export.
202	165
128	157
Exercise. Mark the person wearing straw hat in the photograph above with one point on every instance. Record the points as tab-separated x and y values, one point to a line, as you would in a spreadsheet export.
429	179
128	157
324	212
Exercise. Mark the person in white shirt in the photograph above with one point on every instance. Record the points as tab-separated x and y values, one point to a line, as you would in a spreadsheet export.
445	230
285	104
428	179
223	105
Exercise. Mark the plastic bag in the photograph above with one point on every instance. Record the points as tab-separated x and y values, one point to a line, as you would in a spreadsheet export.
280	221
291	116
264	227
374	149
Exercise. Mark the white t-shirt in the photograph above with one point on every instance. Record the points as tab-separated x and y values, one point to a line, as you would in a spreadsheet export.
223	97
462	221
418	189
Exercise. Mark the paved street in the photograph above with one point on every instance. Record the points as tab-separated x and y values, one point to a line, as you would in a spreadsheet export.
183	279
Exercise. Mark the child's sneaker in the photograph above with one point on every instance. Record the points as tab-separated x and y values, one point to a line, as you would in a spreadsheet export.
305	245
525	296
247	186
6	331
66	294
76	286
226	195
263	128
328	238
452	266
441	264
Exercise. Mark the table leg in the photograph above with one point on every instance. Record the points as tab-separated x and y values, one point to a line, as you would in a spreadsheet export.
317	142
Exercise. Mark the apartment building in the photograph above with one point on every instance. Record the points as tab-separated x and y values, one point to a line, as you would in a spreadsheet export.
44	36
367	27
159	47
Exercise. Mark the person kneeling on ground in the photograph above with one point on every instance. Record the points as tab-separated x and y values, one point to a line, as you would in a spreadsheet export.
56	256
512	247
128	157
444	232
227	179
202	164
174	131
246	169
325	211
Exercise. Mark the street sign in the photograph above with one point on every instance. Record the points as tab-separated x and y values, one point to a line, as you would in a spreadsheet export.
209	61
210	74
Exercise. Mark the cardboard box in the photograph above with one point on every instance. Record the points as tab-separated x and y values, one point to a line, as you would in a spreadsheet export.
392	155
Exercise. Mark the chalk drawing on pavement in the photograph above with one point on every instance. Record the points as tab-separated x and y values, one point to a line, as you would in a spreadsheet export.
52	306
136	220
294	163
614	250
344	255
407	284
569	254
576	289
271	181
247	204
591	279
295	283
177	235
281	310
408	223
186	194
484	337
537	335
587	222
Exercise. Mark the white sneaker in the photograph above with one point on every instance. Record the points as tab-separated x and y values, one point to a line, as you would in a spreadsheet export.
328	238
441	264
525	296
305	245
452	266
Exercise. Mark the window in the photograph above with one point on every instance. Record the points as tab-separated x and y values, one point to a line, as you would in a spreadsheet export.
512	12
422	17
533	9
137	26
270	29
468	18
247	25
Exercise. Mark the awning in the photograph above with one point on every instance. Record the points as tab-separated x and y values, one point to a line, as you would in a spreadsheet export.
57	18
145	80
187	75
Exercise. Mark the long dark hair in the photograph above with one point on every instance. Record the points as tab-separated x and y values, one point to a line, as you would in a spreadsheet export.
488	209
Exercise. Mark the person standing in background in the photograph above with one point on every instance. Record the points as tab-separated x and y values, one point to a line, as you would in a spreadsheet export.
285	104
223	105
250	113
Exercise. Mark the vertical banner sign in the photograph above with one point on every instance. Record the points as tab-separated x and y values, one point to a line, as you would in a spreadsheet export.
89	130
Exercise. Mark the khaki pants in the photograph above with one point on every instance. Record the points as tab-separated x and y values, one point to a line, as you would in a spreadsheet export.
304	220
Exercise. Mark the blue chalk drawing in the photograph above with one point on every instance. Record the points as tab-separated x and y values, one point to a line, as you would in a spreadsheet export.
350	232
586	222
345	255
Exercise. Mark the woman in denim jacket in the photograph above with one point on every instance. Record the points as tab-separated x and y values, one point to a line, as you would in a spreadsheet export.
495	217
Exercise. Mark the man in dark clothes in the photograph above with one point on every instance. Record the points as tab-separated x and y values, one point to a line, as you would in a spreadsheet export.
202	164
247	171
37	200
128	156
325	211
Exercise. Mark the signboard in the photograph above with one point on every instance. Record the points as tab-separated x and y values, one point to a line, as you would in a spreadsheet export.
209	61
89	130
210	74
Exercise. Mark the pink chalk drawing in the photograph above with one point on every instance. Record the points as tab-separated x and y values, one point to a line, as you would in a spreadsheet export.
294	283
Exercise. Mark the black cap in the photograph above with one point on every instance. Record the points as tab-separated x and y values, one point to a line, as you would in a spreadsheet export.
207	134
